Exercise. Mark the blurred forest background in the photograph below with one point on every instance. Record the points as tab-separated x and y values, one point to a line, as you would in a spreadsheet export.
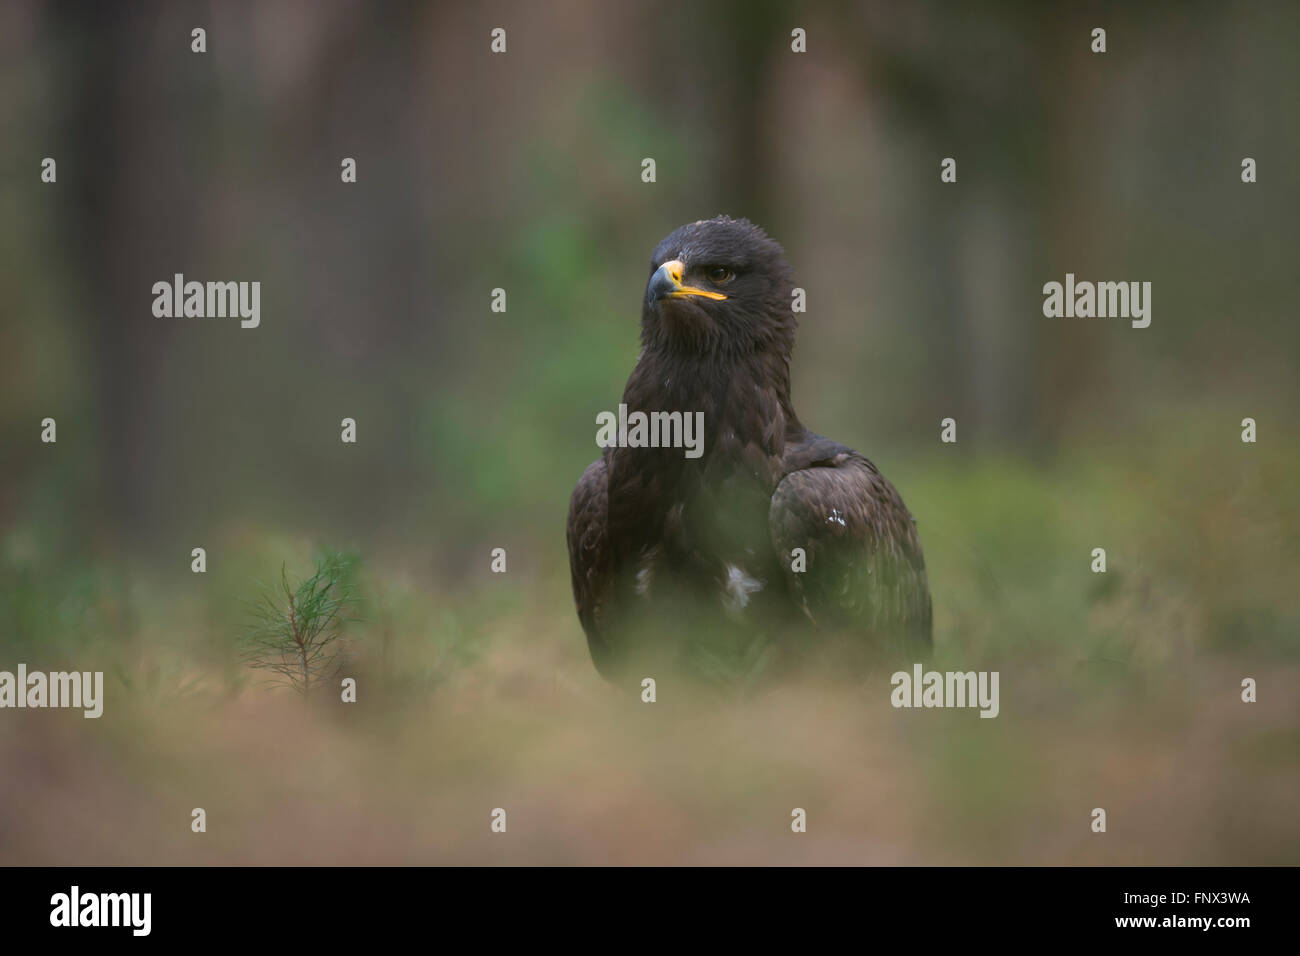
522	171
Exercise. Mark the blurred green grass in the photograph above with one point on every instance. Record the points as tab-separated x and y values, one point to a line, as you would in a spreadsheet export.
1119	691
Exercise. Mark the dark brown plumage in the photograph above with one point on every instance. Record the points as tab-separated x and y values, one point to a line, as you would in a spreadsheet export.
679	560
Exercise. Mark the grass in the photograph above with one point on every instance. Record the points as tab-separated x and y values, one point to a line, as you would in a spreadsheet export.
1119	691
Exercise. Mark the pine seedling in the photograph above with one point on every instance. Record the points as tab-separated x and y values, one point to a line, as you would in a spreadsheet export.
296	634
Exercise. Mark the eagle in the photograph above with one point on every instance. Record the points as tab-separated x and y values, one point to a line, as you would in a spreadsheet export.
769	547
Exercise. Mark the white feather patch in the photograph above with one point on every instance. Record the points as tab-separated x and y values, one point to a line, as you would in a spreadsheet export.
738	588
644	578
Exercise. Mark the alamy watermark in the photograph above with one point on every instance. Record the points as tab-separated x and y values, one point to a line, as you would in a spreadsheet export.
1084	300
651	430
946	689
56	689
212	300
75	908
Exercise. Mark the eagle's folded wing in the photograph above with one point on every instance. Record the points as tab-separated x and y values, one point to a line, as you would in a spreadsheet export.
863	567
589	557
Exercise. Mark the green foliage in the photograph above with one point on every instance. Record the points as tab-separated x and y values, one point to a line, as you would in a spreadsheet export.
296	633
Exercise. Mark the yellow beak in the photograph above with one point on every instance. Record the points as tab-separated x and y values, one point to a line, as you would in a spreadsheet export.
667	281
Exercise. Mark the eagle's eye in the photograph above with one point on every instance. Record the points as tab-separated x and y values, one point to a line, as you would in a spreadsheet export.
719	275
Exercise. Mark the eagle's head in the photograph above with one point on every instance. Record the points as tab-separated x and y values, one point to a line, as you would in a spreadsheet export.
718	287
